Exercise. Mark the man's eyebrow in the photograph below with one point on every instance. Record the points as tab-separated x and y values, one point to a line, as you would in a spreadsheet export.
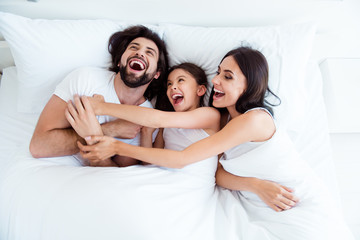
138	44
152	49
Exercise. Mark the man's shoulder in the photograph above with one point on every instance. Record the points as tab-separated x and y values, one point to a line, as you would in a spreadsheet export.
89	75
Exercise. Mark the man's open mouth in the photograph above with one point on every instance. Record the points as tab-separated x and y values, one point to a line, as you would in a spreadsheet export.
137	64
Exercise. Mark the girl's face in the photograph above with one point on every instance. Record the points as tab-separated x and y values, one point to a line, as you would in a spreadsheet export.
183	91
229	84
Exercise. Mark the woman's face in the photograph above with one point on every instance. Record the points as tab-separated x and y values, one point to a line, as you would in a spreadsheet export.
229	84
183	91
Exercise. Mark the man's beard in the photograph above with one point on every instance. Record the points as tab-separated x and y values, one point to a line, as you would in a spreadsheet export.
132	81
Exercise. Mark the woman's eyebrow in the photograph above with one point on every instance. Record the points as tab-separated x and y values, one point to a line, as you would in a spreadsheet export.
229	71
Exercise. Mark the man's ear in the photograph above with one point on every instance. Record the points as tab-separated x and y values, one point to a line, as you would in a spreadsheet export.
157	75
201	90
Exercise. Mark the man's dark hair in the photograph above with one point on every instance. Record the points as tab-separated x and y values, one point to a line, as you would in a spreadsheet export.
118	43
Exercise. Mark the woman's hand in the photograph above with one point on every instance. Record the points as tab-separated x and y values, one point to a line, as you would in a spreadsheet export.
95	101
103	148
82	118
276	196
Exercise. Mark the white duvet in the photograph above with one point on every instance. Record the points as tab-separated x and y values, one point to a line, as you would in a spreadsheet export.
56	198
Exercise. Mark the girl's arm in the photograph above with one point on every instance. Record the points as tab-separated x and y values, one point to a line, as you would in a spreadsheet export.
252	126
203	117
276	196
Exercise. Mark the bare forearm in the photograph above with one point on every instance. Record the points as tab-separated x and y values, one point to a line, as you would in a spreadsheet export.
120	128
54	143
233	182
161	157
135	114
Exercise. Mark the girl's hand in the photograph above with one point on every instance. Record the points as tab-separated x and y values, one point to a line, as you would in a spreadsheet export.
276	196
95	101
104	148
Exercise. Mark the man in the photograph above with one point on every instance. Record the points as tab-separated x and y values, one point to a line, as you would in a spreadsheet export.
139	58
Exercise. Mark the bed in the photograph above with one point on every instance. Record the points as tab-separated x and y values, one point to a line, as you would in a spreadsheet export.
56	198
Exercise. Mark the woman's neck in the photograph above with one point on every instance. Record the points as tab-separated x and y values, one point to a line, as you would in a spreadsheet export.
233	112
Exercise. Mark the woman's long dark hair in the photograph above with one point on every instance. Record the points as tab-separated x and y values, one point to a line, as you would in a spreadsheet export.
254	66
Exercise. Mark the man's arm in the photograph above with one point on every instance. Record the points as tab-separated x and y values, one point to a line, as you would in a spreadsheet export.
120	128
53	135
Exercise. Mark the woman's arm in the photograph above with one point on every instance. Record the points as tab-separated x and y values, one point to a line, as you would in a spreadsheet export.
253	126
276	196
204	117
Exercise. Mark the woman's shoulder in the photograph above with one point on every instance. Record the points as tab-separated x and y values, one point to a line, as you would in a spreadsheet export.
260	122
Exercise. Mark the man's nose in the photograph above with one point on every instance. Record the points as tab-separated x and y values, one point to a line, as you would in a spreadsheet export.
140	53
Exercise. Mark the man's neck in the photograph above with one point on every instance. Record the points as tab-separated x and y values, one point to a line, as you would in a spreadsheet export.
127	95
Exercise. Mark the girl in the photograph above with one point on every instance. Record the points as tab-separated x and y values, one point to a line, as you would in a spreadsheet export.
253	146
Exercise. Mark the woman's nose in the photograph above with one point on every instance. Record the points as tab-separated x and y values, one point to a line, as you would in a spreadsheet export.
215	80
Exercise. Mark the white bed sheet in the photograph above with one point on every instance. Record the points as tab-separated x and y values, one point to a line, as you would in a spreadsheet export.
70	202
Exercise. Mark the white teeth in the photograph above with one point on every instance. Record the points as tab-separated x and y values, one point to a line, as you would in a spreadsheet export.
141	64
175	96
217	91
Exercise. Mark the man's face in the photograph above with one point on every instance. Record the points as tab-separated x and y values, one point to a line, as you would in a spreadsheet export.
138	64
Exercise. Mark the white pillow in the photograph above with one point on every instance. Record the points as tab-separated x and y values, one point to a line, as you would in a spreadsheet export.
286	48
45	51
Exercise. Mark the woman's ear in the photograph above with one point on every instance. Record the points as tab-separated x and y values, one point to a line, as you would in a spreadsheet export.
201	90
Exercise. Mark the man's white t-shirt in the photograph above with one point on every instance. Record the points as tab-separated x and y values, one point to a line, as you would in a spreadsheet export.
89	81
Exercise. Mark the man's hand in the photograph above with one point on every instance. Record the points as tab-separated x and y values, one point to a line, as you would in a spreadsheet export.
82	118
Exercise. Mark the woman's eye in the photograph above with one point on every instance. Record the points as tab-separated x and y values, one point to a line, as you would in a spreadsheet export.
217	72
228	77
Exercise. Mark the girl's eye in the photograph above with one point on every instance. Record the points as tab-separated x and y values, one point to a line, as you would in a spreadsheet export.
168	84
181	80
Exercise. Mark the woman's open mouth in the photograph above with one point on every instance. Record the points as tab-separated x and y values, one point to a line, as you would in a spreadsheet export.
218	94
